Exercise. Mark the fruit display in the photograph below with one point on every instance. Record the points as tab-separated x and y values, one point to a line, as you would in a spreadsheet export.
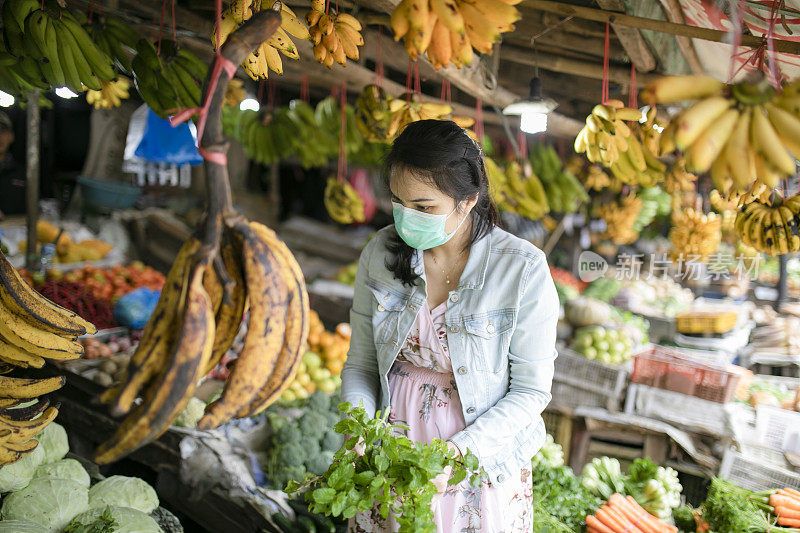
110	95
61	50
694	235
336	36
678	180
655	202
595	178
742	133
658	296
568	286
516	189
332	347
620	215
449	29
268	55
564	192
405	110
67	251
347	274
608	140
769	225
77	298
169	80
605	344
780	336
311	376
97	349
585	311
373	114
343	203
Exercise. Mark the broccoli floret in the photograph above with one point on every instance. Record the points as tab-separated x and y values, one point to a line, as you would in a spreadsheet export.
320	462
332	418
331	441
319	401
291	455
287	434
287	474
313	425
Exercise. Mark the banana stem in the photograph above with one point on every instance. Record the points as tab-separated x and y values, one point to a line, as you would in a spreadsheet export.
260	27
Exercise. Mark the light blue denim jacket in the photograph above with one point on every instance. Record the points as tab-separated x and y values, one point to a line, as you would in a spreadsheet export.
501	332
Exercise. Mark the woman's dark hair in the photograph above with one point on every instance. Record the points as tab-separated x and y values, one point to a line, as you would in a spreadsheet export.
440	152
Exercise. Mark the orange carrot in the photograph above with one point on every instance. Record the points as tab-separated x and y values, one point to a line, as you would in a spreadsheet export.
649	519
777	500
792	491
785	492
787	513
631	526
598	525
789	522
621	506
609	520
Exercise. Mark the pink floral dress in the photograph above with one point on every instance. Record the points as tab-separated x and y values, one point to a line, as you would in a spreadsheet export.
424	398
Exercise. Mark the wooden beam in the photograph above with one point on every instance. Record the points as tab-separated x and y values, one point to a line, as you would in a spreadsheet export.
525	30
675	14
572	66
695	32
631	39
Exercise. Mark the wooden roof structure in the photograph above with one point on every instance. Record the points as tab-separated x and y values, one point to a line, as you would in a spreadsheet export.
564	39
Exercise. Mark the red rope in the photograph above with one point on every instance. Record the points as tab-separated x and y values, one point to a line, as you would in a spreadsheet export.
272	93
417	84
522	142
342	168
174	31
218	21
409	78
89	14
606	54
260	93
161	25
479	119
632	90
304	92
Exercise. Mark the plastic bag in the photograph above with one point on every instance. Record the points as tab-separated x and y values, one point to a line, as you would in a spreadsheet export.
360	180
162	143
134	309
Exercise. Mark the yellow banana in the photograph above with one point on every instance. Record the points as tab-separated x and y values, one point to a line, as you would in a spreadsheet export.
692	122
707	147
767	142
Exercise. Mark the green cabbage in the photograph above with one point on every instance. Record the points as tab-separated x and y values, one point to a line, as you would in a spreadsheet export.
125	520
16	476
64	469
191	414
53	440
21	526
123	491
49	502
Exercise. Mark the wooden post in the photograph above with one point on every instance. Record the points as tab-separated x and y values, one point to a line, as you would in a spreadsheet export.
782	280
32	175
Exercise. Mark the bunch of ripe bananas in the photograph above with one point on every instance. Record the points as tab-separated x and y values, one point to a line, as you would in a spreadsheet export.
336	37
60	50
343	203
517	189
194	325
32	329
449	29
235	93
650	132
267	56
694	235
113	36
620	215
770	225
741	133
110	95
595	178
677	180
405	110
608	140
373	114
168	81
564	192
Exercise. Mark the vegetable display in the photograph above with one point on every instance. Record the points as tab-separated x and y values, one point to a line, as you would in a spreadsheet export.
393	473
559	491
732	508
622	515
606	345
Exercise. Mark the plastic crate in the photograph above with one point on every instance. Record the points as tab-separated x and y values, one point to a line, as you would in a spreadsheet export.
582	382
778	428
688	412
754	472
668	369
706	321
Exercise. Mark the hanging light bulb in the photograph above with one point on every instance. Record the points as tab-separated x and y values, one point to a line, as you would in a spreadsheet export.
534	110
249	104
6	100
66	93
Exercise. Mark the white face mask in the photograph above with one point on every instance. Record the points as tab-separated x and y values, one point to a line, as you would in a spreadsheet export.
422	230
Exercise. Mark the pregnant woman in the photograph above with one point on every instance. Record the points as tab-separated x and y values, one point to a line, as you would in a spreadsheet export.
454	327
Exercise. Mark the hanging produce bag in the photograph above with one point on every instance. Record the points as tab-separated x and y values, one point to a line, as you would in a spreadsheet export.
163	143
361	182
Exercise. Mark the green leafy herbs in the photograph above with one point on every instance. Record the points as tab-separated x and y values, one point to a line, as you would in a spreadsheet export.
684	519
105	523
557	490
393	475
550	454
732	508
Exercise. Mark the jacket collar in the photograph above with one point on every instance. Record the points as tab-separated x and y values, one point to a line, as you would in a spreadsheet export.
475	269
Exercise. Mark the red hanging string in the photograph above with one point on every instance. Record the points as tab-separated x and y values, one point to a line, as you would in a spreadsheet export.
260	93
409	78
522	142
304	92
606	54
174	31
88	15
417	84
342	169
774	72
161	25
327	5
379	59
479	119
632	90
272	91
445	90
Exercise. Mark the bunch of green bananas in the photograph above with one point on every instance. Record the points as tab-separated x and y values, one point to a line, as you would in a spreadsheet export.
373	114
19	75
655	202
113	36
329	120
312	147
168	81
263	135
516	190
343	203
564	192
63	53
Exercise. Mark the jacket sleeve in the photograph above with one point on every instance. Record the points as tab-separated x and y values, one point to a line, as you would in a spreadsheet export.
360	377
531	356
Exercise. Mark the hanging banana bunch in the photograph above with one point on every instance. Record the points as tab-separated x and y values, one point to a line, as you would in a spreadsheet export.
770	224
620	216
694	235
373	114
336	36
517	189
448	30
343	203
741	133
110	95
268	55
114	37
678	180
564	192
